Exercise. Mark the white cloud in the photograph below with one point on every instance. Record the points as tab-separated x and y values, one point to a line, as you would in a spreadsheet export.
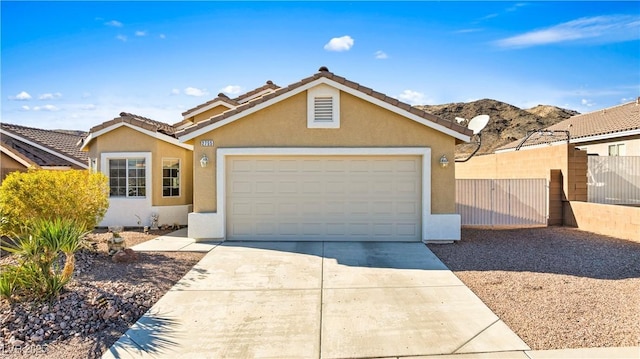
467	31
515	7
585	102
412	97
45	108
25	108
22	96
122	38
175	91
162	36
141	33
597	29
88	107
196	92
114	23
338	44
381	55
232	89
49	96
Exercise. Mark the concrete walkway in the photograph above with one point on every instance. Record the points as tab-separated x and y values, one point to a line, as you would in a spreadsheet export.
325	300
174	242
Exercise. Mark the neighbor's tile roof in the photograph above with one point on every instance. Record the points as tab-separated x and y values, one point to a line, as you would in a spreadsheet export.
59	142
139	121
610	120
235	101
341	80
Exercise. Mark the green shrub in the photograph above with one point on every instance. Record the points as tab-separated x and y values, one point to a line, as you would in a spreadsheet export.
38	274
76	195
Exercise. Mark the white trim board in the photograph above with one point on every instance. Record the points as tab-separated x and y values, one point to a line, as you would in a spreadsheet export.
329	82
38	146
153	134
223	153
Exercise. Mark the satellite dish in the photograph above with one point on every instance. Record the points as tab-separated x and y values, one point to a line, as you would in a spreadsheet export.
460	119
478	123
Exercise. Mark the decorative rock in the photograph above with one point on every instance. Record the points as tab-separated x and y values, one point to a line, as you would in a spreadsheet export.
126	255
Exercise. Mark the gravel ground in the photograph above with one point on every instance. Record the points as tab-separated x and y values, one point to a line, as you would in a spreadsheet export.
99	304
555	287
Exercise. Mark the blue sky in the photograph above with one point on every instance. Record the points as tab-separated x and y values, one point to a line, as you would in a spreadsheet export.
73	65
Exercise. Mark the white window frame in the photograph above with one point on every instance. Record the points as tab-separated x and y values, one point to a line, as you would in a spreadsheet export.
619	148
323	90
179	176
104	166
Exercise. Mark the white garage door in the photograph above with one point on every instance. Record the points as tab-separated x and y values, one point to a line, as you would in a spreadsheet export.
361	198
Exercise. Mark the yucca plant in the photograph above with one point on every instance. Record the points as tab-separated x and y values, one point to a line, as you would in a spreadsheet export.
38	274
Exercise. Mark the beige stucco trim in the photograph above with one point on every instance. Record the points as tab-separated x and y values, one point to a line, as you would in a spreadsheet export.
153	134
340	87
38	146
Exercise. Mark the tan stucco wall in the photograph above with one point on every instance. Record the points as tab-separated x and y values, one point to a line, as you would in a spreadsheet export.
362	124
631	144
124	139
9	163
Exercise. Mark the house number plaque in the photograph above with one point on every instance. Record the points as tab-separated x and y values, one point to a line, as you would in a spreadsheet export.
206	143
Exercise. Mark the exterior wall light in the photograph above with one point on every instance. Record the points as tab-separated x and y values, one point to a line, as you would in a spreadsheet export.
444	162
204	161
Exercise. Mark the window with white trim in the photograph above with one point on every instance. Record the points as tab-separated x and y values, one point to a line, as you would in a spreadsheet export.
127	177
170	177
323	107
616	150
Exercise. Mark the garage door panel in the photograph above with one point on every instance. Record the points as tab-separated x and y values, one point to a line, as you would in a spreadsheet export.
324	198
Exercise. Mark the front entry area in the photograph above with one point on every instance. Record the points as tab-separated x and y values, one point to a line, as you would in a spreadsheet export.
324	197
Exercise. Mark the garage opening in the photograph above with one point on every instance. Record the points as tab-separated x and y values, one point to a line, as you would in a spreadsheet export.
328	198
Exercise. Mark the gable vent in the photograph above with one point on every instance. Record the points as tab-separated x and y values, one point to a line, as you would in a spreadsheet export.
323	109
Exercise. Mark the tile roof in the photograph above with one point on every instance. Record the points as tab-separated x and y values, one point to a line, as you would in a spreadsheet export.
54	142
139	121
608	121
324	72
268	86
235	101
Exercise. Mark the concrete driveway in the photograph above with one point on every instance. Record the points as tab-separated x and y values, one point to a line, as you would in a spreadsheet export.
317	300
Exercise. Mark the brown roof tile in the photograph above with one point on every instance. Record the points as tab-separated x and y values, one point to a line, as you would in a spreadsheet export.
325	73
625	117
139	121
268	86
62	143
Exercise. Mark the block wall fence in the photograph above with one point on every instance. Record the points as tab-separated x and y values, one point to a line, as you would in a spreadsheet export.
565	167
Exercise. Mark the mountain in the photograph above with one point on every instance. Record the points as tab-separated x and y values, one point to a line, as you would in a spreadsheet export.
507	123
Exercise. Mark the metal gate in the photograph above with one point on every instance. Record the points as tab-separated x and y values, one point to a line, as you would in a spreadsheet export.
502	202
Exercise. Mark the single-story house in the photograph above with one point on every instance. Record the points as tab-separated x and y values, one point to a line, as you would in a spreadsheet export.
22	148
149	170
612	131
324	158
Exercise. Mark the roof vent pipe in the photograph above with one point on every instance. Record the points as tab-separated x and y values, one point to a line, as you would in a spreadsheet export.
323	69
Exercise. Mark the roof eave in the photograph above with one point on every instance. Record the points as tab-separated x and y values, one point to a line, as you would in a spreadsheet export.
315	81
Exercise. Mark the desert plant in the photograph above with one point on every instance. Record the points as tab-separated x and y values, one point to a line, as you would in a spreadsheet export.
42	194
38	274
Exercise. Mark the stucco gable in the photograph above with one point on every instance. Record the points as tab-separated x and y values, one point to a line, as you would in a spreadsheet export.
156	129
327	78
